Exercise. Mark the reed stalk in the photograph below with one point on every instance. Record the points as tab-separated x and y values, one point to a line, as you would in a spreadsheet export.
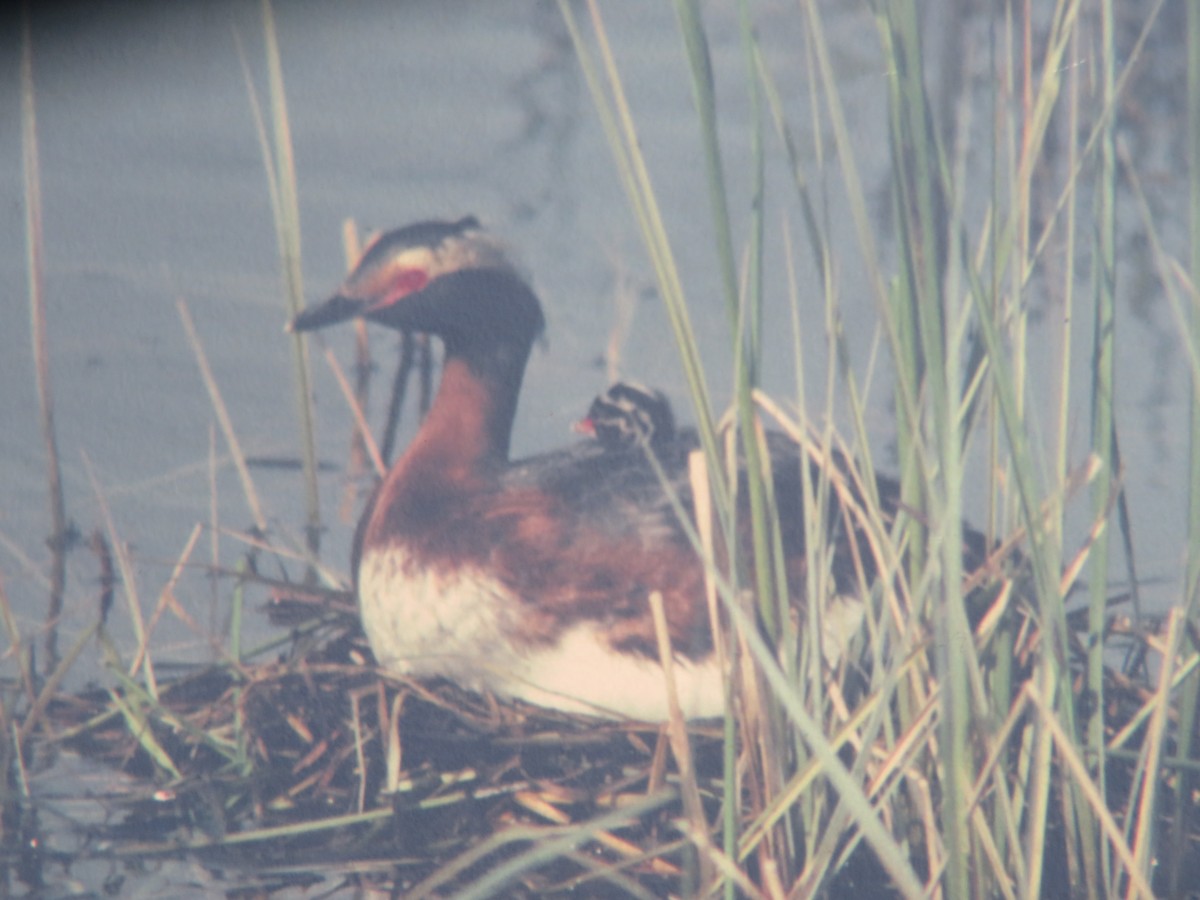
1096	868
1183	814
615	117
279	165
221	411
1189	700
34	267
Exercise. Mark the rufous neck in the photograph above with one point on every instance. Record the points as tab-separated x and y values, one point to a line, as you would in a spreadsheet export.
469	425
487	320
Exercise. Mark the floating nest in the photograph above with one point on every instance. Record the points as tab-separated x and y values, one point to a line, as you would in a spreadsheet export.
309	769
311	765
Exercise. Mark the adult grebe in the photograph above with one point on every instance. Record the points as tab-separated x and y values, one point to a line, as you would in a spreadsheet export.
531	578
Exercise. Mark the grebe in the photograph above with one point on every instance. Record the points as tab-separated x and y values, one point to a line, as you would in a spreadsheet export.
531	579
628	414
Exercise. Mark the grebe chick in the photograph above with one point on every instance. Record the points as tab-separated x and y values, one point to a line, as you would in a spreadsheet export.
628	414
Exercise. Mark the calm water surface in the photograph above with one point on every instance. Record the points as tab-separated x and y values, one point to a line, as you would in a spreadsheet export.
154	191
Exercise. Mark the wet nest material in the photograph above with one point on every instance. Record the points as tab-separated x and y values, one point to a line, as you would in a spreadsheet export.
311	769
310	763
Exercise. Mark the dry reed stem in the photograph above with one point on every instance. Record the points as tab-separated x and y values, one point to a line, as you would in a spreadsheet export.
222	414
360	419
1077	769
676	728
38	340
128	583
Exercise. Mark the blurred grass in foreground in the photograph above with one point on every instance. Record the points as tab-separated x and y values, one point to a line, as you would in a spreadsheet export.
985	734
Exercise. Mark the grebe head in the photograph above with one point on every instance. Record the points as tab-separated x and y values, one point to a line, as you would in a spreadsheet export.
629	414
407	280
454	281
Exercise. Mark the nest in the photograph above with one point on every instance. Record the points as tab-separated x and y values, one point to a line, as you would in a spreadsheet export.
310	768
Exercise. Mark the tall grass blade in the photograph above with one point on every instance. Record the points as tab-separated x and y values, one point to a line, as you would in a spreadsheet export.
745	315
279	164
41	349
704	96
1192	584
1104	425
635	178
920	214
1185	814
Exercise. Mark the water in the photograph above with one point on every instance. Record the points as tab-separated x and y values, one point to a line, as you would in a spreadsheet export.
154	190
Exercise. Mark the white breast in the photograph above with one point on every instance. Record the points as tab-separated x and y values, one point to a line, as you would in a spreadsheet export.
420	622
466	627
